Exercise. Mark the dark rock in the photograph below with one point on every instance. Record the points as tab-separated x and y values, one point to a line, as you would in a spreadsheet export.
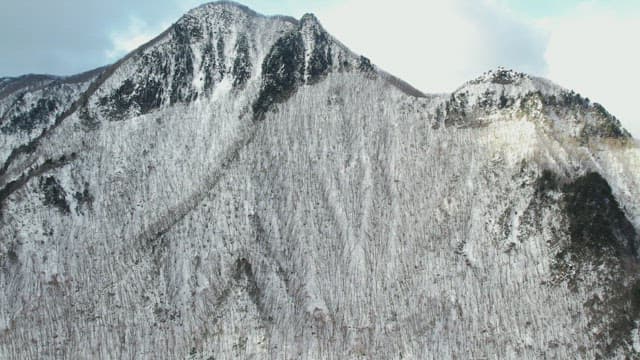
456	109
181	90
596	222
54	194
548	181
320	59
606	125
505	77
28	120
282	73
143	97
222	70
242	66
365	66
84	199
187	30
600	123
208	66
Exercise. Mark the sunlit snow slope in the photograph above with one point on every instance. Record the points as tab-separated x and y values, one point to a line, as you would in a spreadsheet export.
246	187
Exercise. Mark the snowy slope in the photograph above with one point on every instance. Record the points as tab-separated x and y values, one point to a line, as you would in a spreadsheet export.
246	187
32	103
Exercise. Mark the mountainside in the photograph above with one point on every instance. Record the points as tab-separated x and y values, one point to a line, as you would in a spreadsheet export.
30	104
245	186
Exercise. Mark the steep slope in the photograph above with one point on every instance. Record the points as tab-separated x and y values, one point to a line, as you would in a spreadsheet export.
245	186
31	104
500	91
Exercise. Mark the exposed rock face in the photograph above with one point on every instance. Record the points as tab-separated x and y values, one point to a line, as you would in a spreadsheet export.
303	56
246	187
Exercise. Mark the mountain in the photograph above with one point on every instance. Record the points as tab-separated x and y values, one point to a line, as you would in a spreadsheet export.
245	186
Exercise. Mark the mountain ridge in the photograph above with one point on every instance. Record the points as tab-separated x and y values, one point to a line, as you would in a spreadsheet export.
206	10
245	186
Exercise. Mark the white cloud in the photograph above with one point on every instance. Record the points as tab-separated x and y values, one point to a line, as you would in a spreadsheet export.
436	45
122	42
595	52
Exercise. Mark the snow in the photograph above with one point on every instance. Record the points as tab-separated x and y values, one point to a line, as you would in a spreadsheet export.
371	230
10	107
517	86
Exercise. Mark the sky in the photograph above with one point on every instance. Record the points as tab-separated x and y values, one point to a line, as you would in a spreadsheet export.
589	46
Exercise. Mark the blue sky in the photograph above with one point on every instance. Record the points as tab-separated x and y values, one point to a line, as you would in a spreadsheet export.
586	45
70	36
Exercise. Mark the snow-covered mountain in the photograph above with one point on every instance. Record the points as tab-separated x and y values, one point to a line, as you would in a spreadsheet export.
245	186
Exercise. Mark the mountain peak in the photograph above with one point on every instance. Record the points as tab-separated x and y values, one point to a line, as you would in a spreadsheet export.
309	18
223	4
310	23
502	76
510	83
231	7
245	186
512	91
